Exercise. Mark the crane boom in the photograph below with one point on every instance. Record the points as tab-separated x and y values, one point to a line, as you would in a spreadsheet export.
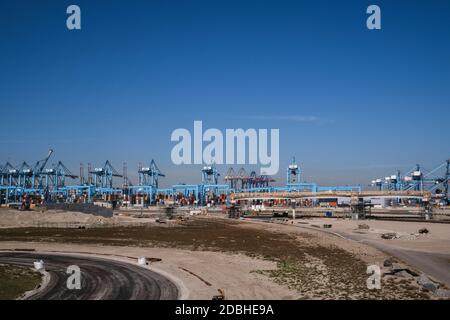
44	161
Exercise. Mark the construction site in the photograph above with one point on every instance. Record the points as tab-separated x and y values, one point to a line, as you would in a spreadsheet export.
231	236
229	157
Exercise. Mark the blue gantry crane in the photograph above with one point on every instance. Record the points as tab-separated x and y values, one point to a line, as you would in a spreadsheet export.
35	179
208	187
293	183
55	177
292	172
210	175
148	184
149	176
210	183
26	179
103	179
419	179
9	175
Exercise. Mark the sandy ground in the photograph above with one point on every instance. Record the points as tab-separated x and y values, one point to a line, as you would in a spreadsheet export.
199	275
437	240
425	253
56	218
361	251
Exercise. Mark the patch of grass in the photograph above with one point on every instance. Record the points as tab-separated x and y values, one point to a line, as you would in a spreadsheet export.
16	280
334	281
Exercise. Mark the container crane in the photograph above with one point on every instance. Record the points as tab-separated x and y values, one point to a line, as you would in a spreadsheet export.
149	176
148	182
232	178
210	175
243	177
103	177
293	172
9	175
419	179
210	183
55	177
30	177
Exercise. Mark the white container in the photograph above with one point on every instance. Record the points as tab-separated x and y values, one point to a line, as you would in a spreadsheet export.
39	265
142	261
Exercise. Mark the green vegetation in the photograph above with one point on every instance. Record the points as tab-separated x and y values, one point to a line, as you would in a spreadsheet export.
16	280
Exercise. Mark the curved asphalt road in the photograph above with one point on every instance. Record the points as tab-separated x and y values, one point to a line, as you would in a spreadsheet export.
100	278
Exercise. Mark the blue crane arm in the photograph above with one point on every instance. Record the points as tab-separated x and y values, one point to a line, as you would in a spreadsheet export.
44	162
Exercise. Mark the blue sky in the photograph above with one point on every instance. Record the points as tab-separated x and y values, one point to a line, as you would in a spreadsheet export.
351	104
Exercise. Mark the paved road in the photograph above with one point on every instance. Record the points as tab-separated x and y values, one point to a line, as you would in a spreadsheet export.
100	278
436	265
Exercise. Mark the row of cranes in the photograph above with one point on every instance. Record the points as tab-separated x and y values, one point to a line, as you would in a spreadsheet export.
35	179
48	183
418	178
25	176
243	181
38	177
58	182
149	192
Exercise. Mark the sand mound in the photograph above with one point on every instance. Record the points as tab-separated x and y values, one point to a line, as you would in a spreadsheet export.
53	218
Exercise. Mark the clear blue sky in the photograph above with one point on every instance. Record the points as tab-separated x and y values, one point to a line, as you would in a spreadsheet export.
362	103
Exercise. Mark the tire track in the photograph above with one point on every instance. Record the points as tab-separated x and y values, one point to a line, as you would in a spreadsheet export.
100	278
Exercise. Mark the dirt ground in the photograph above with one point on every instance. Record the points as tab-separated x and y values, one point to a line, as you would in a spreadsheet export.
436	240
424	246
10	218
245	259
197	274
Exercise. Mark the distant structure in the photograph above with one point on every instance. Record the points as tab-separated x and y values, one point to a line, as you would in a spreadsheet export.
52	183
